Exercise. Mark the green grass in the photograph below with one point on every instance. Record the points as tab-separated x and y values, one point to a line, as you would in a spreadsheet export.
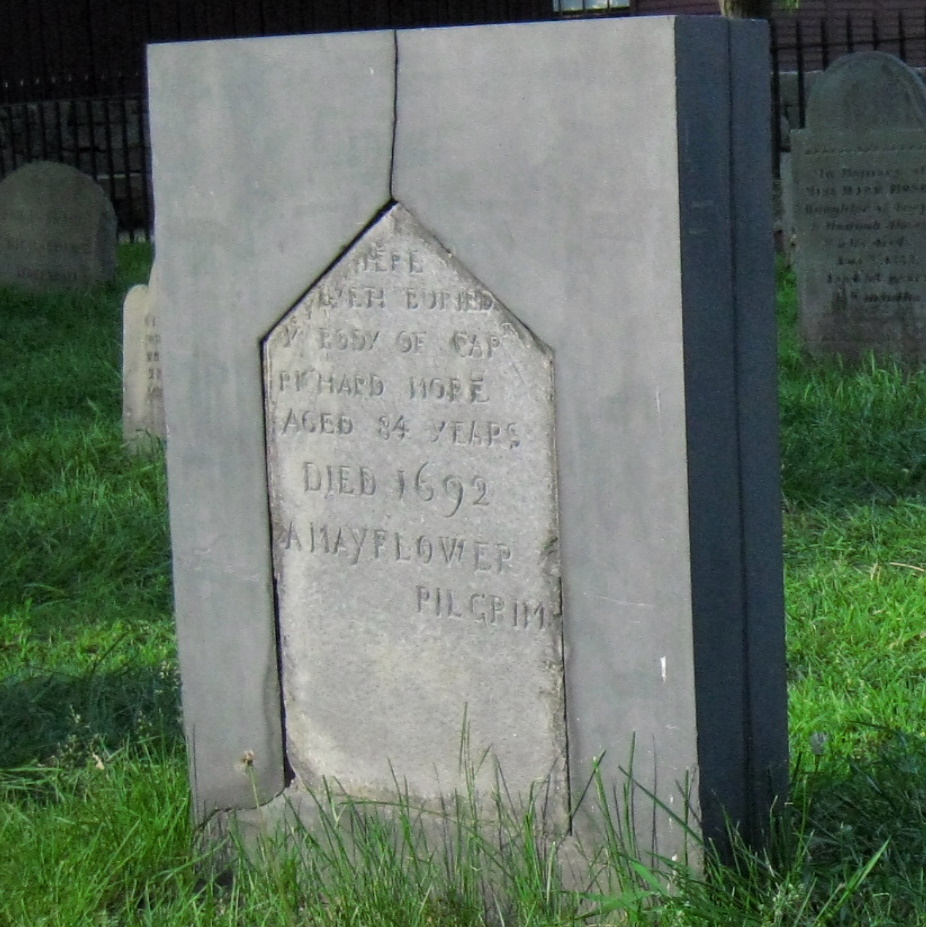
94	810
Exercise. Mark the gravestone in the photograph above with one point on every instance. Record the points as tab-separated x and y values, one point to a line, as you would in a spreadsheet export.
472	436
413	495
142	383
57	229
859	172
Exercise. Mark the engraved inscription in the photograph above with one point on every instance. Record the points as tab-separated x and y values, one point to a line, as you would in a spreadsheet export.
860	218
870	223
142	382
412	480
154	390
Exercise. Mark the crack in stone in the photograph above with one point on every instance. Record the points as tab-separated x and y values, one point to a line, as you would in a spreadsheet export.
395	110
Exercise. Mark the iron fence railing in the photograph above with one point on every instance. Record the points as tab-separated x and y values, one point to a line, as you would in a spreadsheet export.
72	79
99	38
103	135
82	100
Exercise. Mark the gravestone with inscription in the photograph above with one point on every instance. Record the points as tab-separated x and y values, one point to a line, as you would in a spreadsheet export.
472	437
410	436
142	387
57	229
859	171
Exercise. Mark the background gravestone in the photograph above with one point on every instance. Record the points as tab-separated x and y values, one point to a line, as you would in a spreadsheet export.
859	171
373	332
142	385
57	228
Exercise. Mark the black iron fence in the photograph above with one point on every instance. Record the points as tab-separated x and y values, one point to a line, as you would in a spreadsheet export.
72	79
103	135
72	84
99	39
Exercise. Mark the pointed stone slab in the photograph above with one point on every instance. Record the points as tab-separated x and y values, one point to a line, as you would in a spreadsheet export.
412	473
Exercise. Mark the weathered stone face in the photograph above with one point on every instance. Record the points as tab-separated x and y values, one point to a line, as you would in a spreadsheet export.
860	210
57	229
410	431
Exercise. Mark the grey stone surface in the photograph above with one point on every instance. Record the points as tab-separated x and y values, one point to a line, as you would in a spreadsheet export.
859	172
630	233
57	228
413	499
242	229
535	209
142	380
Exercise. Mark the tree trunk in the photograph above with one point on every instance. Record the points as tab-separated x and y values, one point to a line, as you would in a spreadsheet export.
746	9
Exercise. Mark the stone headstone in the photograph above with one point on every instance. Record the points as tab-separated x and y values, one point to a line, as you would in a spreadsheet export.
469	431
859	171
57	229
413	496
142	383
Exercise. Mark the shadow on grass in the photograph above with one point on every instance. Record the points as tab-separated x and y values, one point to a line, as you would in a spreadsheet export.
852	435
856	806
64	719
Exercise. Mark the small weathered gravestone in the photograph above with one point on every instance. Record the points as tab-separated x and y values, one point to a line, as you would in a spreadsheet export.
57	229
859	171
142	384
472	436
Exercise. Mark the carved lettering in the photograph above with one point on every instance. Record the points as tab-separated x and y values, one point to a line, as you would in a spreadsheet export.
344	479
476	434
354	339
295	421
449	389
475	345
471	555
412	483
484	607
860	216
